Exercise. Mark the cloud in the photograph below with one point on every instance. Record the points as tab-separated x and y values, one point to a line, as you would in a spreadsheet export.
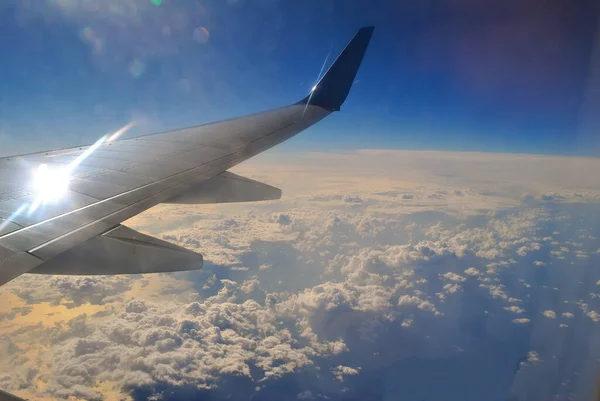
593	315
514	309
533	357
471	271
76	290
340	371
411	300
352	199
549	314
214	340
568	315
453	277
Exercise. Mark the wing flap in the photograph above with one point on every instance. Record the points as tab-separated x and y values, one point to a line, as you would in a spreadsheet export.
227	187
121	251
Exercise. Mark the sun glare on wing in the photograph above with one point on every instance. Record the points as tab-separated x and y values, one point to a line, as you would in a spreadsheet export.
50	184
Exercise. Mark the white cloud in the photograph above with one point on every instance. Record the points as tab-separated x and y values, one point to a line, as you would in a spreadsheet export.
411	300
533	358
340	371
514	309
568	315
595	316
453	277
549	314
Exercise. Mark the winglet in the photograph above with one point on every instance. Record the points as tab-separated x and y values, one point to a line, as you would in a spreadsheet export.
333	88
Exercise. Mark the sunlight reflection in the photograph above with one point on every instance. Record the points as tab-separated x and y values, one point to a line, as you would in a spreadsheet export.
51	184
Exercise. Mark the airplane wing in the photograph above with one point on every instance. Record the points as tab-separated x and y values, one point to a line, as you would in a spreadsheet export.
61	210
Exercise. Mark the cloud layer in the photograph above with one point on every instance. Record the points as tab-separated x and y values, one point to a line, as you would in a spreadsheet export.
349	287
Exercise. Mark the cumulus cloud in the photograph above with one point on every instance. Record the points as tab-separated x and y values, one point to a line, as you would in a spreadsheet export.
514	309
411	300
216	339
585	308
533	357
453	277
340	371
568	315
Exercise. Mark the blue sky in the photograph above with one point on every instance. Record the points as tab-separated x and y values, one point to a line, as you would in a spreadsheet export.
510	76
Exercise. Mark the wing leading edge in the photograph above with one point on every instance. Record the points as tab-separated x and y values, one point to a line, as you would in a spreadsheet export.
114	180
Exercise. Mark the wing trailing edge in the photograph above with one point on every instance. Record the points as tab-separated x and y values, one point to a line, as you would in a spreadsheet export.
225	188
121	251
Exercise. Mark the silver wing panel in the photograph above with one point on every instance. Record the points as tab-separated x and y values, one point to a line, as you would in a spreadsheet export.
31	213
8	226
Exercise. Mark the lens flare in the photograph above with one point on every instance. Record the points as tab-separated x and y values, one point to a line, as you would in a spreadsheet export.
89	36
317	84
136	68
201	35
120	131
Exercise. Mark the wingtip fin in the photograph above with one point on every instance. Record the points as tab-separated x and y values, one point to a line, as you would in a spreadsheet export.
333	88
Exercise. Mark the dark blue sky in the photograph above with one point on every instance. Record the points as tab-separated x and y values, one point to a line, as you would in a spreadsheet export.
511	75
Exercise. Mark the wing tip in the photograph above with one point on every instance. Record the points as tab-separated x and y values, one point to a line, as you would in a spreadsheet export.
333	88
